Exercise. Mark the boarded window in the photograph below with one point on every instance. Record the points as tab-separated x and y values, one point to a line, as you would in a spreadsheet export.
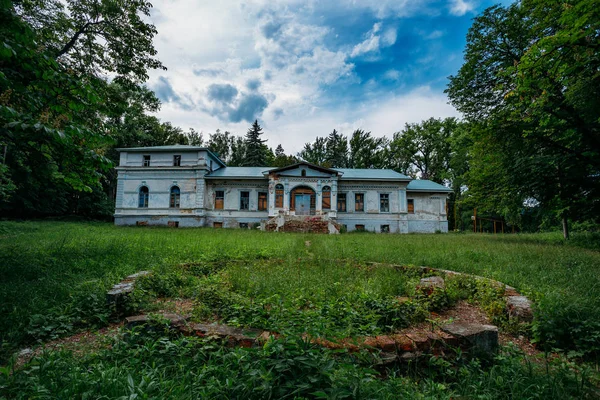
173	224
243	225
262	201
219	199
385	229
175	197
217	224
143	197
359	228
146	161
384	202
244	200
411	206
359	202
326	203
341	202
279	196
177	161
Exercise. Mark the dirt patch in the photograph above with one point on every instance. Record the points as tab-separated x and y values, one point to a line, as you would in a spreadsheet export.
80	343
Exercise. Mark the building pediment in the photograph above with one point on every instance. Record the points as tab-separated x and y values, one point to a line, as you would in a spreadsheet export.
304	169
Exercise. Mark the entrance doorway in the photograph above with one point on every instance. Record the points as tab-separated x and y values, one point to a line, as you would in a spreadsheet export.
303	200
302	204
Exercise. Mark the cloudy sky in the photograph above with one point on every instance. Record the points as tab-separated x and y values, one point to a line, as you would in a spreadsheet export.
303	68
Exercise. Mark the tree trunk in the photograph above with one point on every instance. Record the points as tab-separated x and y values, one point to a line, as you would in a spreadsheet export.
565	225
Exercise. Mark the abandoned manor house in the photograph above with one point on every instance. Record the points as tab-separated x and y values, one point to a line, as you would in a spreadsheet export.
189	186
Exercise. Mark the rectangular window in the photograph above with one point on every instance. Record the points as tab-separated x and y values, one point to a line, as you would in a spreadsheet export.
141	223
326	203
219	199
217	224
384	202
262	201
244	200
146	161
359	202
341	202
359	228
411	206
243	225
177	161
173	224
385	229
279	196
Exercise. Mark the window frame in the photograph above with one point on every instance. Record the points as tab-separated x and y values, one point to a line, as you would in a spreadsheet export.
177	160
385	228
279	195
410	206
362	209
146	159
143	204
175	197
381	202
326	190
217	198
339	198
242	197
265	199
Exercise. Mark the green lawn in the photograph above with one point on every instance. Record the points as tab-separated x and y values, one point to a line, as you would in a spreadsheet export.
53	276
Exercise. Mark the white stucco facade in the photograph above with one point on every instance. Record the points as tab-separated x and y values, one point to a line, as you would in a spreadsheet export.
189	186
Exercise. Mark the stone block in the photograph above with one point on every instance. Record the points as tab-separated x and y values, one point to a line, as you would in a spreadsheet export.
403	343
420	341
477	337
432	282
175	320
519	308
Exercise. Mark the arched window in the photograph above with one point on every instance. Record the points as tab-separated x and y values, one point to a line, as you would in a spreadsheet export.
279	196
175	194
326	199
143	197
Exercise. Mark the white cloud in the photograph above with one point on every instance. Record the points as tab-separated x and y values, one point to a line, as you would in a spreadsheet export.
461	7
434	35
374	41
392	74
285	50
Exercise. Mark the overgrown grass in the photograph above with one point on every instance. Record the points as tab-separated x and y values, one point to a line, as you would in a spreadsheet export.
54	276
162	367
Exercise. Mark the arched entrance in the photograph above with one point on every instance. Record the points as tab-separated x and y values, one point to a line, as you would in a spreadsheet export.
303	200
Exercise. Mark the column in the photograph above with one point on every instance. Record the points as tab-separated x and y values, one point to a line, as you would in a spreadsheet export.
286	194
402	205
271	197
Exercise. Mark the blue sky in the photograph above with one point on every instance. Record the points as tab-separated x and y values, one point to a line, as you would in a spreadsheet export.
304	68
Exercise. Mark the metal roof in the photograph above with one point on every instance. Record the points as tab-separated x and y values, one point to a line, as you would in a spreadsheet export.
175	147
423	185
239	173
371	174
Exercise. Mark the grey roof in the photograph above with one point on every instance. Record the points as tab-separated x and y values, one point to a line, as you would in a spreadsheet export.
372	174
239	173
175	147
423	185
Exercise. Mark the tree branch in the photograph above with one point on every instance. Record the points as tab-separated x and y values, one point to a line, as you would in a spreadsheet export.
67	47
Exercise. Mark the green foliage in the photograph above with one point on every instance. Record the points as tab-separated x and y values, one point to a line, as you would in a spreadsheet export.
49	269
256	152
529	85
424	149
151	364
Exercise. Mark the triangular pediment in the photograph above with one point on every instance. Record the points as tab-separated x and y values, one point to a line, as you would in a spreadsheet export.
305	169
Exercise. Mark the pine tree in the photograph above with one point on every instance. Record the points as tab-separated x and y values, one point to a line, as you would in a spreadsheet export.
255	148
